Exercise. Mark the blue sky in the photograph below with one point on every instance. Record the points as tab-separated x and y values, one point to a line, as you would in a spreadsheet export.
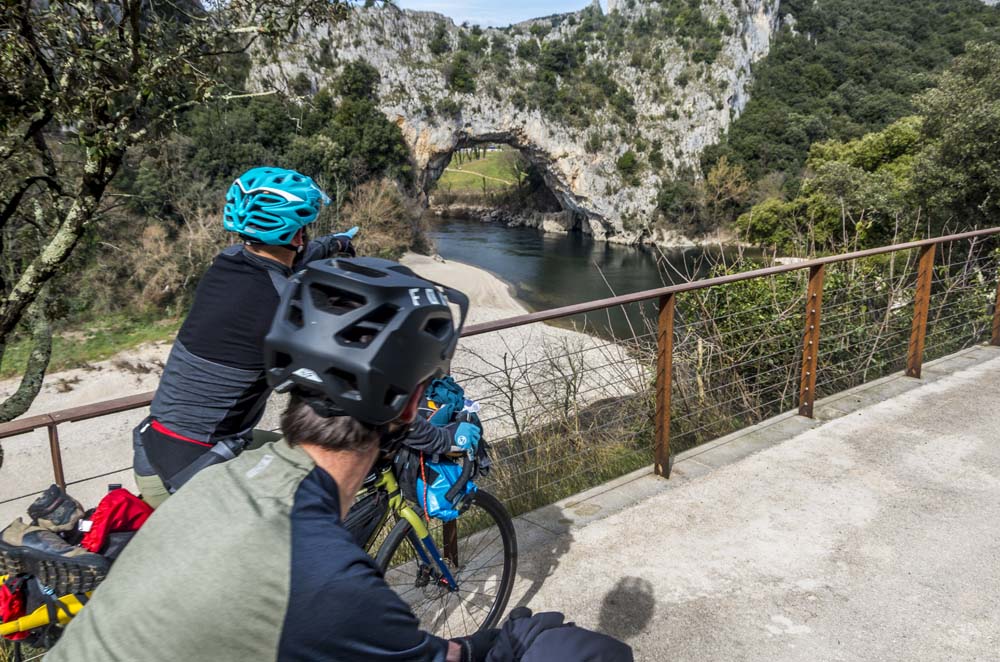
494	12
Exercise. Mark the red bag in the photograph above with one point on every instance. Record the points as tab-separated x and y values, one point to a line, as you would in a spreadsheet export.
12	603
118	511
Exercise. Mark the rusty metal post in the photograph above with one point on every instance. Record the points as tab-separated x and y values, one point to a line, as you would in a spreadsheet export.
57	465
995	340
663	461
810	341
449	533
921	306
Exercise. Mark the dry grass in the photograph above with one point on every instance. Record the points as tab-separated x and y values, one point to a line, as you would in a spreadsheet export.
390	222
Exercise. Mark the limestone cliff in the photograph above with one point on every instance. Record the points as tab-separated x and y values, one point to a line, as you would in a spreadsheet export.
672	90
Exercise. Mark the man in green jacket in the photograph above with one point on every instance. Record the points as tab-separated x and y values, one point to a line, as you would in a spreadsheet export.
250	561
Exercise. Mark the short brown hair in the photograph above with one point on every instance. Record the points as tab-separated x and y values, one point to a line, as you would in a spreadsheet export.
302	425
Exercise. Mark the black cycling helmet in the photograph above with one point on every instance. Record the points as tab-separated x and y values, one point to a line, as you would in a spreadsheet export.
357	336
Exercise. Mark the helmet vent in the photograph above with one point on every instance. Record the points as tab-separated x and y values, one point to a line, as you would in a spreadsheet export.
354	267
266	199
392	396
363	333
281	360
347	383
439	327
295	316
333	300
304	212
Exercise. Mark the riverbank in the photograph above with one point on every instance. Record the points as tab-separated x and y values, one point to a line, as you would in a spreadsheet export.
566	222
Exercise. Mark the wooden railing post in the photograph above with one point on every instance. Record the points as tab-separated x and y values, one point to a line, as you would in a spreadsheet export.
921	306
449	534
664	372
57	465
810	341
995	340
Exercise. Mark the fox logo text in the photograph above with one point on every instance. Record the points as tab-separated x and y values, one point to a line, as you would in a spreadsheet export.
430	294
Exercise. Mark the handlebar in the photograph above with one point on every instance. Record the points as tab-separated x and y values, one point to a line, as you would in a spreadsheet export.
468	462
468	466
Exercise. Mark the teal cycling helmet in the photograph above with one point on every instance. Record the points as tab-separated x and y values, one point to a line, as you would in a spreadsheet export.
269	205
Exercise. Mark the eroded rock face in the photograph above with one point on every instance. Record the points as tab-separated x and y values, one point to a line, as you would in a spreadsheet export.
680	104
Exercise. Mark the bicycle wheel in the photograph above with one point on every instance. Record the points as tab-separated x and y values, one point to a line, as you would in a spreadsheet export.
481	555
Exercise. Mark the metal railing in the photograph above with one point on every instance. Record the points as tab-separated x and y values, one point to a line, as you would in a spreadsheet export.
608	360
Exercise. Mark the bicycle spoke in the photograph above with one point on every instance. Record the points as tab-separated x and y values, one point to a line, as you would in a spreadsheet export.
481	547
479	607
462	612
483	573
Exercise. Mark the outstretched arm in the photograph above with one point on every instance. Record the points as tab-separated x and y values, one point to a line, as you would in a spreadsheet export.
327	246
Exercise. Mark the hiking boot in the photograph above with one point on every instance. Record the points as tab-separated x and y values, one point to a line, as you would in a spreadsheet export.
55	510
62	567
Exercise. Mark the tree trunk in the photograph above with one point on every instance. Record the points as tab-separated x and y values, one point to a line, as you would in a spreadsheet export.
97	174
25	294
38	362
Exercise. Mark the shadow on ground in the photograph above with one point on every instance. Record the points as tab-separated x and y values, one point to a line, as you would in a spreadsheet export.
546	544
628	608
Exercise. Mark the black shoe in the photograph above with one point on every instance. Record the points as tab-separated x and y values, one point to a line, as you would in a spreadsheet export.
55	563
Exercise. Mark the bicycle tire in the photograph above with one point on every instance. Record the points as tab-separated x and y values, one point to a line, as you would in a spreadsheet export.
399	576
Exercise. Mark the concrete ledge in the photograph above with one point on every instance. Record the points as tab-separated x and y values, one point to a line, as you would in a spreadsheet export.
873	536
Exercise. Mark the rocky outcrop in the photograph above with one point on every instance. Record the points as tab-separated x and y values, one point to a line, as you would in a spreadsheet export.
680	105
559	222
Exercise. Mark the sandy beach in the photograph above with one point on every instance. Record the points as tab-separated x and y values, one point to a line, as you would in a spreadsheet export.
529	355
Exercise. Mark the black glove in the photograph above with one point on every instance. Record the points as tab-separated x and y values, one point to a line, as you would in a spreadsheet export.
477	646
344	246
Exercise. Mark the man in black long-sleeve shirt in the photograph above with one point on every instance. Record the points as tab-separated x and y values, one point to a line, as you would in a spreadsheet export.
213	386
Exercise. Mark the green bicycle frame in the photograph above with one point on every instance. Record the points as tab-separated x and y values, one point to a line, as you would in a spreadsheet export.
387	481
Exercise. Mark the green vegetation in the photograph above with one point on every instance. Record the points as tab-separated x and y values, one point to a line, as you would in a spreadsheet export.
837	146
852	66
439	44
491	171
86	87
553	75
459	74
7	651
83	346
934	171
628	165
341	143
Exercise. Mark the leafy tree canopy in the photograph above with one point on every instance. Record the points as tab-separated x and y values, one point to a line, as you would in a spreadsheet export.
848	68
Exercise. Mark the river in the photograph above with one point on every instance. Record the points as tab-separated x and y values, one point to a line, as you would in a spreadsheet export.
547	271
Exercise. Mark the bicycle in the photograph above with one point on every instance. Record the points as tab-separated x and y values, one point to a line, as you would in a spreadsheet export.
456	576
453	593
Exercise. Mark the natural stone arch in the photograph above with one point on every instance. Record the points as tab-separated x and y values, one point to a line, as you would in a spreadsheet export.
434	118
571	215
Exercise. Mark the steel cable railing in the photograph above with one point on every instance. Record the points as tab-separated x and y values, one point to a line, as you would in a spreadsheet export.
565	409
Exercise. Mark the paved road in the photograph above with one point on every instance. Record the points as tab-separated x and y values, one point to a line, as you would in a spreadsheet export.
873	536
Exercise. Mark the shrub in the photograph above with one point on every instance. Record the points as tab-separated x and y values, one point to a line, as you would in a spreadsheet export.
358	80
449	107
390	223
439	44
459	74
594	142
528	50
629	166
